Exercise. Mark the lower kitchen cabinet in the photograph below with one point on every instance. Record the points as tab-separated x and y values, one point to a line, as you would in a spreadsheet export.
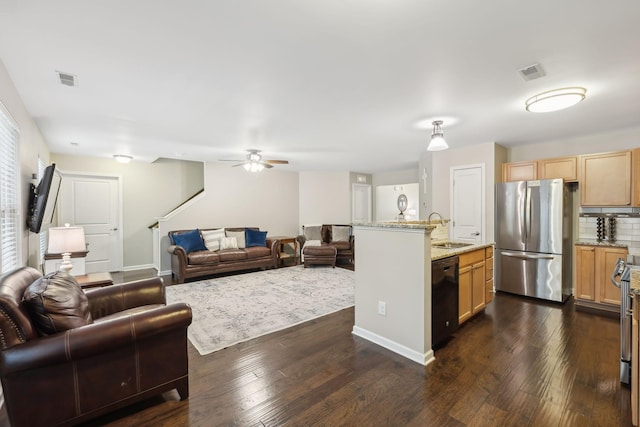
471	284
488	274
593	268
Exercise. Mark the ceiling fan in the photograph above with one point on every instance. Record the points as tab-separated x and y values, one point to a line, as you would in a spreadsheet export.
255	163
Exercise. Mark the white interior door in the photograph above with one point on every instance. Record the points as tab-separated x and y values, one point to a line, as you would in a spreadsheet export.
94	203
467	203
361	203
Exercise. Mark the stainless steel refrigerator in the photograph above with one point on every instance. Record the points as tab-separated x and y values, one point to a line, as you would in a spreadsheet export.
533	223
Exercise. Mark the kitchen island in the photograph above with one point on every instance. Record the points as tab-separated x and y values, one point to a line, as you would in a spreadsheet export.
393	285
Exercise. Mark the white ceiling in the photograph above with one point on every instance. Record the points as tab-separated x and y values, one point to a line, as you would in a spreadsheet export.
326	84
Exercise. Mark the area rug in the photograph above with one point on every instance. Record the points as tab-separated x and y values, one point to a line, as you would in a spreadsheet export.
229	310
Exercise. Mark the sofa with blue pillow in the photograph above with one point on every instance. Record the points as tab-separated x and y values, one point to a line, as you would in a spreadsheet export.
202	252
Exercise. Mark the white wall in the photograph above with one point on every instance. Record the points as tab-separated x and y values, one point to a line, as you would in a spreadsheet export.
234	197
32	146
442	161
325	198
149	190
391	178
387	201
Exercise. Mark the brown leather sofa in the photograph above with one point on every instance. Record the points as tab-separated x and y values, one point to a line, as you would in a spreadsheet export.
134	347
345	248
204	263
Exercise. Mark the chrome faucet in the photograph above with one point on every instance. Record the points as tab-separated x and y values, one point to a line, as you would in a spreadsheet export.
435	213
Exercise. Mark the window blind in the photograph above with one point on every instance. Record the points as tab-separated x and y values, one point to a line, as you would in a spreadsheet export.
9	200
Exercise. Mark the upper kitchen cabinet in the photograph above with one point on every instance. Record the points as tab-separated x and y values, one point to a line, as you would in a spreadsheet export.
562	167
519	171
605	179
635	173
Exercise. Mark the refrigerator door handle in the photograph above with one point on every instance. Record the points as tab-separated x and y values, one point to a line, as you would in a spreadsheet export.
527	214
525	256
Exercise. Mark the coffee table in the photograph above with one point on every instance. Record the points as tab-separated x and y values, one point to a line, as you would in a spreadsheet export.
94	280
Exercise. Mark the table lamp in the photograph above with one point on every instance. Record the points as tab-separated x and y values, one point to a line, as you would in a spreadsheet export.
65	240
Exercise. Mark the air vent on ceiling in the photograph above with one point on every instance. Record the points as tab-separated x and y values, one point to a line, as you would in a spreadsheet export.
532	72
67	79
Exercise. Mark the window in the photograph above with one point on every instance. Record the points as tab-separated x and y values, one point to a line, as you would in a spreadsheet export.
9	200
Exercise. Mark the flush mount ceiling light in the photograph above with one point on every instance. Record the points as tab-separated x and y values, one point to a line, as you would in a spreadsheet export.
437	142
554	100
122	158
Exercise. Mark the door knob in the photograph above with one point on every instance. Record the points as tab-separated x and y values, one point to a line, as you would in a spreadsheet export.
475	234
114	229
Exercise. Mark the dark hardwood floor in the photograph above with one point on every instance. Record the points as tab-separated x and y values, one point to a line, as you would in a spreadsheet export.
520	363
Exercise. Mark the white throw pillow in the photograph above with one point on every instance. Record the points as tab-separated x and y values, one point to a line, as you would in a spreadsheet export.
340	233
239	235
313	232
212	238
228	243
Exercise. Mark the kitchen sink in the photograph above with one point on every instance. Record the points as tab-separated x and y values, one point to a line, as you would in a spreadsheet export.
450	245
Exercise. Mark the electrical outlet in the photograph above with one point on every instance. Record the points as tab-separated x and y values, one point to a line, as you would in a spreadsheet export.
382	308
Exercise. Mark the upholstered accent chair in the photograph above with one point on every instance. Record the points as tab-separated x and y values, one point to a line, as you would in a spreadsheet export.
68	356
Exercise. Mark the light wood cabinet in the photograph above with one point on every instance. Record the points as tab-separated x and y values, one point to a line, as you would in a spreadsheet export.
488	270
562	167
593	268
605	179
471	284
635	174
519	171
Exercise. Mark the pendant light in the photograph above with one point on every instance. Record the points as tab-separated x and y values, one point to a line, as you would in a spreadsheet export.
437	142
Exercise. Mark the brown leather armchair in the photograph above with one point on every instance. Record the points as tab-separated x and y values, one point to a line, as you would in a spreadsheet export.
134	348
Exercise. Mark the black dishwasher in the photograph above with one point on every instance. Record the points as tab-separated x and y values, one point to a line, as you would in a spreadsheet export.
444	299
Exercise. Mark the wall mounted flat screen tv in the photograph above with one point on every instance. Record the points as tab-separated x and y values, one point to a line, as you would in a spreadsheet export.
43	198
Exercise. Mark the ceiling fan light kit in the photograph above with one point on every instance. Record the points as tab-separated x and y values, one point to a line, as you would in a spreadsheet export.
255	163
554	100
437	142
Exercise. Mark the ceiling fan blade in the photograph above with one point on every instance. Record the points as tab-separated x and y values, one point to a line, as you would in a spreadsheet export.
266	165
277	162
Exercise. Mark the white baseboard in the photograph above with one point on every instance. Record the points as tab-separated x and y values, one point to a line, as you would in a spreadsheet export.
138	267
423	359
164	273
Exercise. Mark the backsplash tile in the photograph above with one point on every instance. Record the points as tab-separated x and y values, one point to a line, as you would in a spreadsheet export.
627	231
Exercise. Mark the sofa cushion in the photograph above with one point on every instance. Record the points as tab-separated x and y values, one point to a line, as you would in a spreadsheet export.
340	233
212	238
340	245
255	238
257	252
239	235
312	232
56	303
228	243
232	255
203	258
190	240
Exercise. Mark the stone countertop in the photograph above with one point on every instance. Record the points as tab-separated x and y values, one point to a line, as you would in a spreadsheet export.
439	253
616	244
415	225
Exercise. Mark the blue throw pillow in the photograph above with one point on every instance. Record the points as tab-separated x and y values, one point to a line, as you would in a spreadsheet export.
191	241
255	238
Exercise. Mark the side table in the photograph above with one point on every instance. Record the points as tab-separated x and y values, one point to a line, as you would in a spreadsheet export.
286	240
94	280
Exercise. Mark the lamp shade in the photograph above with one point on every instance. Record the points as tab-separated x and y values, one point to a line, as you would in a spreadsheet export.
66	239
